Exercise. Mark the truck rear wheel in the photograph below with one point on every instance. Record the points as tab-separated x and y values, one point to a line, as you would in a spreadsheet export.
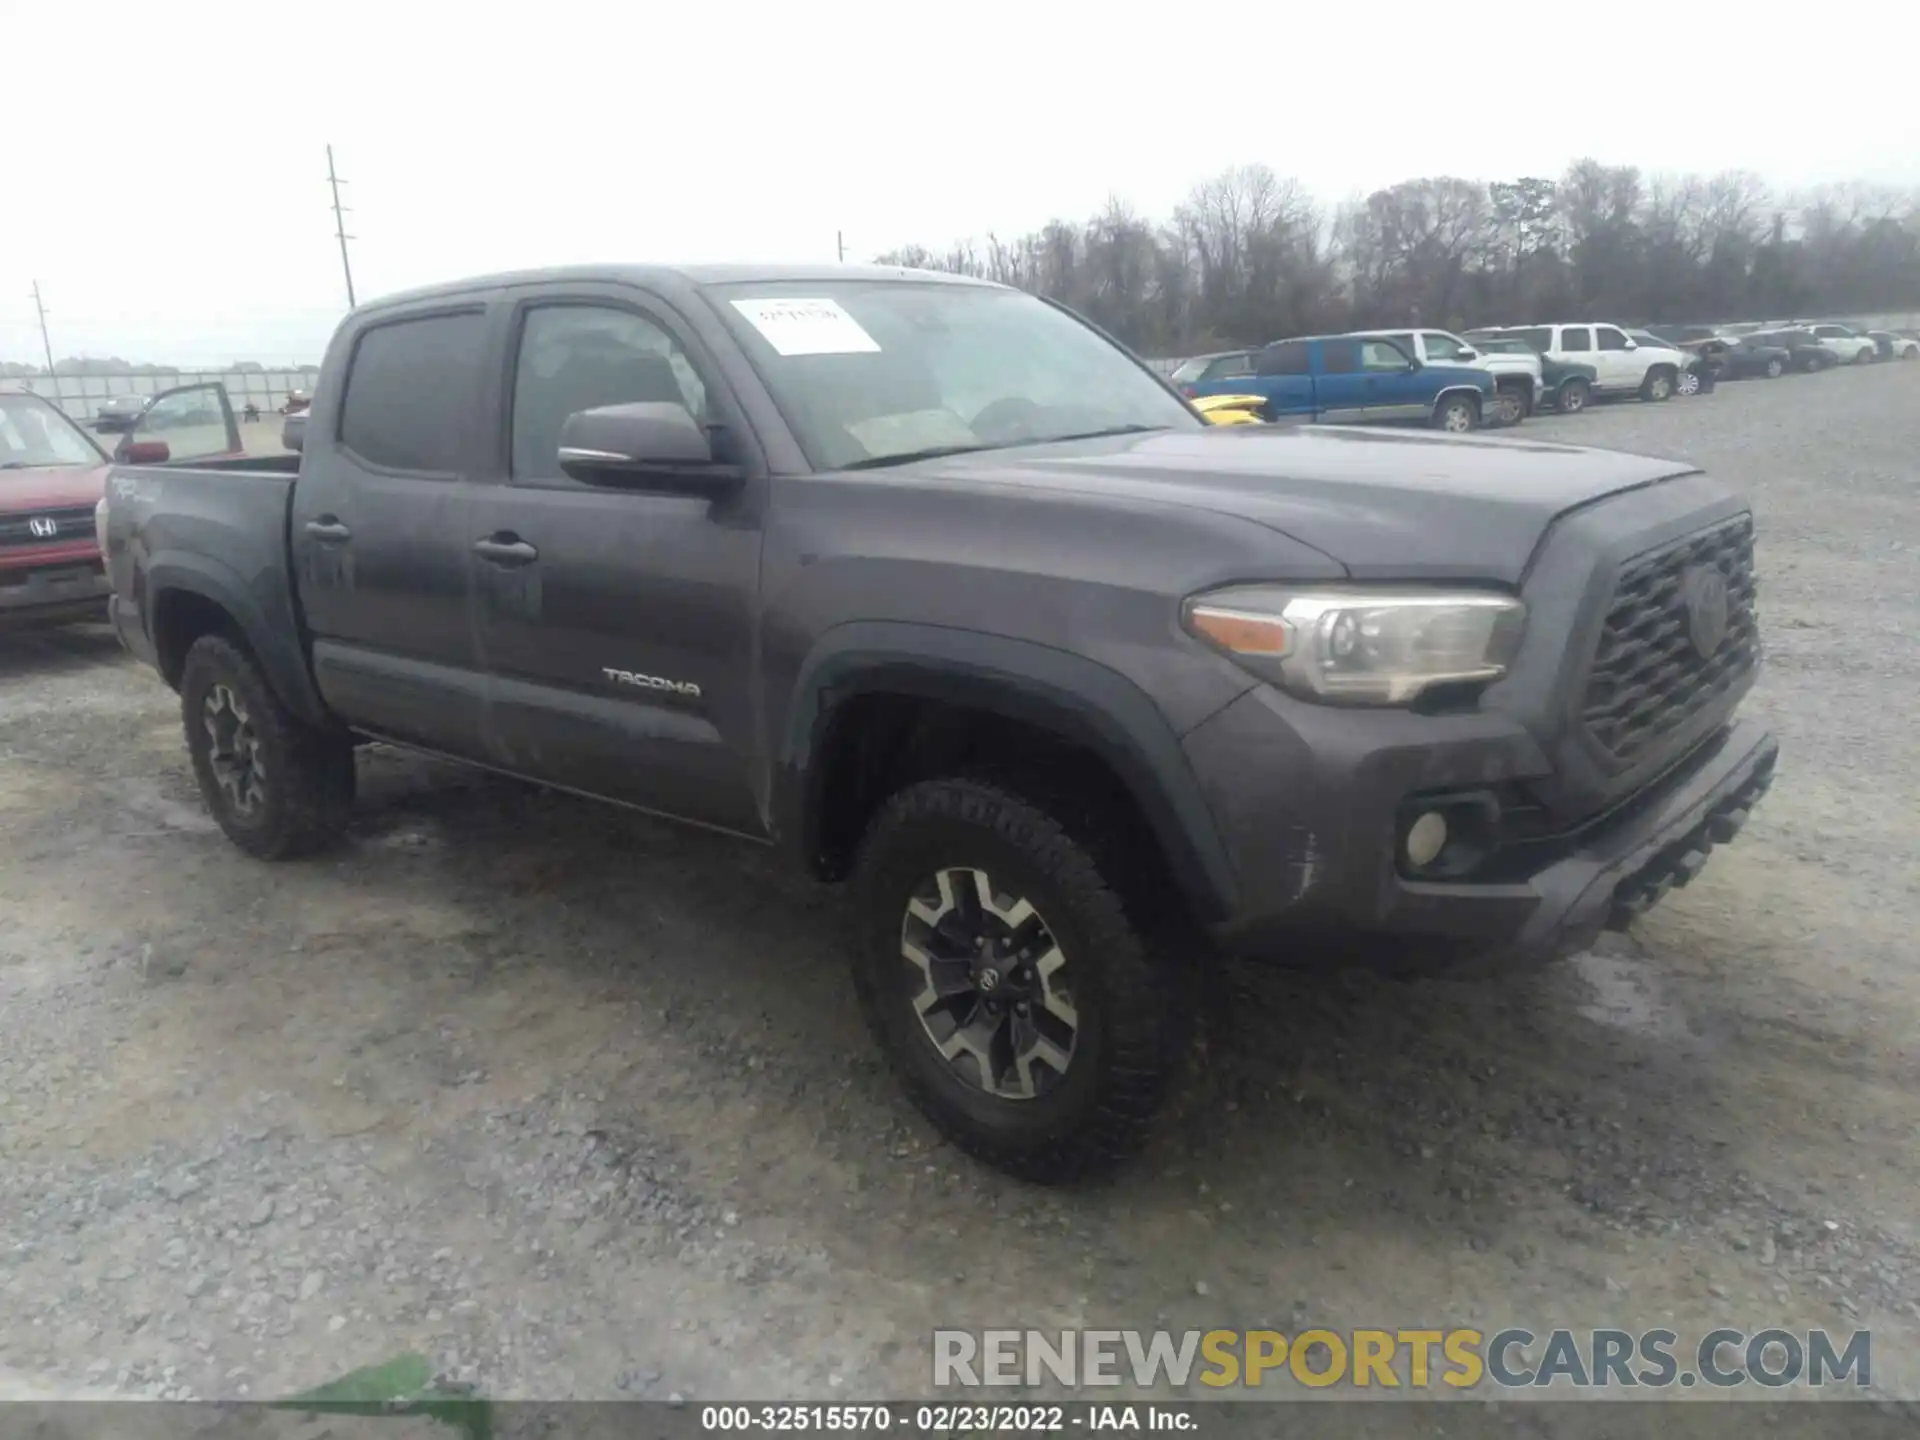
1023	1010
278	788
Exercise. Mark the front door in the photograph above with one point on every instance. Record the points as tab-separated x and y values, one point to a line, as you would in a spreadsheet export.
617	624
1394	386
1621	366
194	422
379	531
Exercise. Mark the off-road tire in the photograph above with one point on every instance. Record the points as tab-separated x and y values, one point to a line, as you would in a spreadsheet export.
306	790
1658	385
1132	1010
1573	397
1447	414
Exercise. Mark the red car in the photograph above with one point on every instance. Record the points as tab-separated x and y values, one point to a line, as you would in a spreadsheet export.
51	477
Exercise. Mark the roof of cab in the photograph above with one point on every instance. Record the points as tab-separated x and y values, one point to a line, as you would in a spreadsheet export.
674	277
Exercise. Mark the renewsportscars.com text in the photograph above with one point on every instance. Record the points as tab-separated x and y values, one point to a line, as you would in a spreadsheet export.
1415	1359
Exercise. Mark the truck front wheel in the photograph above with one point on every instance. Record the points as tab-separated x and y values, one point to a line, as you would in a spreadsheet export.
1658	385
1456	413
278	788
1021	1007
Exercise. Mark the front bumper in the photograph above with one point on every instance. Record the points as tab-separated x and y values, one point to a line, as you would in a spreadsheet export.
54	595
1318	882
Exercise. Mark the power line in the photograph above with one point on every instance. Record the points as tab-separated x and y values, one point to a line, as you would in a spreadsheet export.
339	225
45	343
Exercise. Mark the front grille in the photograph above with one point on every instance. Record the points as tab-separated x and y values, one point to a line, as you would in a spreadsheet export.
31	527
1648	678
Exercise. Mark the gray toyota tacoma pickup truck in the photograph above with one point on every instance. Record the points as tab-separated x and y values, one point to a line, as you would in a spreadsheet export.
936	587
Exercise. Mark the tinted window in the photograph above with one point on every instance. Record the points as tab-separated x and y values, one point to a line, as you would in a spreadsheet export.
1380	355
1829	332
1341	357
1289	357
1576	337
580	357
1610	339
1442	348
1539	338
410	391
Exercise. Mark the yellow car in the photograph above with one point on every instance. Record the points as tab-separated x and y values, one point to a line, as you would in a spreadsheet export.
1231	409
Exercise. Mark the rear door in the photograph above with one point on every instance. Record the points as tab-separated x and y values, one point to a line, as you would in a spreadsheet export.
617	624
1283	372
380	528
1575	342
1341	385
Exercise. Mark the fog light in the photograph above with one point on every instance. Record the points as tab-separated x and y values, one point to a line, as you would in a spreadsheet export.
1426	838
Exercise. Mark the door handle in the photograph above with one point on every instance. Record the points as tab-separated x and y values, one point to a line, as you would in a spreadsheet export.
505	550
328	530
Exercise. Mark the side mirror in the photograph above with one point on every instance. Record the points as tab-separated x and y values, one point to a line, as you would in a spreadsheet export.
655	445
1469	354
143	452
1633	344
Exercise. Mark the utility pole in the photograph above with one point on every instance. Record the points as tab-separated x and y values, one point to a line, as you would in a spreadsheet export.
840	239
339	225
45	343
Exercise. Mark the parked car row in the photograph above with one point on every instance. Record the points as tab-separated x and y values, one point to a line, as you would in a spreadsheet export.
1500	374
1495	376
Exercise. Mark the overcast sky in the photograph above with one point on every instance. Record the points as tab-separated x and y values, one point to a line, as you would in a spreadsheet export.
164	175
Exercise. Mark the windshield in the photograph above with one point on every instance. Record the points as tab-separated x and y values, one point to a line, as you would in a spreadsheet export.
879	371
34	433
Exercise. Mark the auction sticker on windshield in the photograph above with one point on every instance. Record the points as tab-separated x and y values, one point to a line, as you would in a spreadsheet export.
807	327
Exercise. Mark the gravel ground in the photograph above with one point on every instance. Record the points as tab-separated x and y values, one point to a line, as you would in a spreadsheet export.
577	1105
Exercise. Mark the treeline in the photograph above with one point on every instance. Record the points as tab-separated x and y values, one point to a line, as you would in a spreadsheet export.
1249	256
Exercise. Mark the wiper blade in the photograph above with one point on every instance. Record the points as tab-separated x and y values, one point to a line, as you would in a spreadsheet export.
1102	434
907	457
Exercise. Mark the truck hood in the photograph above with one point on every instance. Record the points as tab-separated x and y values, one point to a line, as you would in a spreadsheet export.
51	487
1386	505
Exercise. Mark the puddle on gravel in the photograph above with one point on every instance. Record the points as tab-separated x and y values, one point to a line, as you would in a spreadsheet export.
1626	993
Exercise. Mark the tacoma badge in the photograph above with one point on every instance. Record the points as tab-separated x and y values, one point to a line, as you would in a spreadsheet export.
651	682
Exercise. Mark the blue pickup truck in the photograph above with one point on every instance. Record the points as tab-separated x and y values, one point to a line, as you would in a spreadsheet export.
1348	379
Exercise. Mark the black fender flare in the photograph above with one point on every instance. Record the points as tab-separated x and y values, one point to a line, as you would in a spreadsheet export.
274	639
1069	695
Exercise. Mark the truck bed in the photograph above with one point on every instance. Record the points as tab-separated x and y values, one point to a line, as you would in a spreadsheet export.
217	530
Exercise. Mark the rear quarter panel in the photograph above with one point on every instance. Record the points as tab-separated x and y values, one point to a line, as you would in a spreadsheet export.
220	535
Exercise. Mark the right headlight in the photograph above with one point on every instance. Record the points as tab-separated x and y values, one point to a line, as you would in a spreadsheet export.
1361	647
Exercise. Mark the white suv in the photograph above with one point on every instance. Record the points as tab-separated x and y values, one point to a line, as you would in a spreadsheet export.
1516	378
1622	365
